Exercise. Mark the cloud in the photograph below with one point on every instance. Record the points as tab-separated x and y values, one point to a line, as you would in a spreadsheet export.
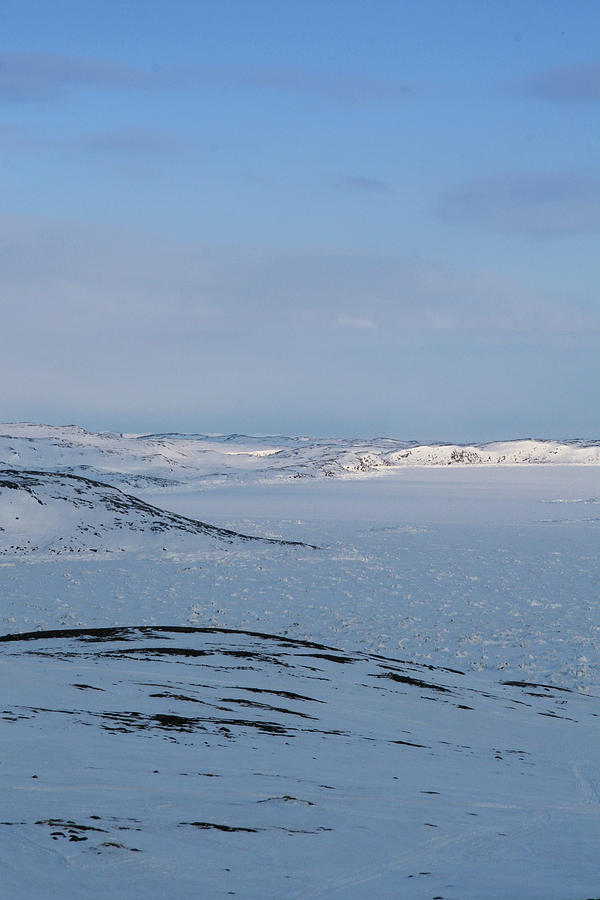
356	322
43	76
332	84
364	184
536	205
60	278
132	142
109	323
569	84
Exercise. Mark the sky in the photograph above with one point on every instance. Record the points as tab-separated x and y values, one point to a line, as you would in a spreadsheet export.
334	218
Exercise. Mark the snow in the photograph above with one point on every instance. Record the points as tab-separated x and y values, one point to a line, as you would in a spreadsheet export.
142	460
62	514
132	761
227	718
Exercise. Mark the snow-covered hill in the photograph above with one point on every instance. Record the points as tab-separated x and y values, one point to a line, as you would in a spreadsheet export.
186	762
53	513
141	462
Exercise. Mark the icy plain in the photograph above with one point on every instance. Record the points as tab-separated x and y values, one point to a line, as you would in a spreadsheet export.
404	702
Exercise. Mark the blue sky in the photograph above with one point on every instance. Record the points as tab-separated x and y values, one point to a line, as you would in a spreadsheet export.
343	218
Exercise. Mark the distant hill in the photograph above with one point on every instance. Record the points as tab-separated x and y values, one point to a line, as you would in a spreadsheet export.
140	462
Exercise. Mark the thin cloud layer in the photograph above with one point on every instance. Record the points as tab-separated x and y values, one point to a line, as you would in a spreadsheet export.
44	76
539	206
356	322
71	277
567	84
332	84
117	324
362	184
132	142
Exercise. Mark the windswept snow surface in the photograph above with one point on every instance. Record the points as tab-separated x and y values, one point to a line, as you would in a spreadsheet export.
404	701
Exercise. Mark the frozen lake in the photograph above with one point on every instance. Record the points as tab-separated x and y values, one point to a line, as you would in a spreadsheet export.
496	569
451	495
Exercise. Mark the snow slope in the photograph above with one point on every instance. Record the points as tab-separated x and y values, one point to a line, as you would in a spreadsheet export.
194	762
48	512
